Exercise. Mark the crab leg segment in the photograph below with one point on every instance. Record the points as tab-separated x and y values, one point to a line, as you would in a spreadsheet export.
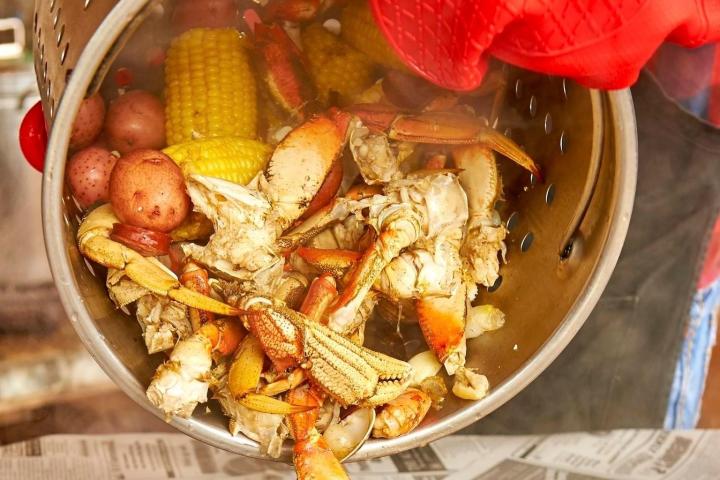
455	129
95	244
321	294
401	229
442	321
445	128
196	278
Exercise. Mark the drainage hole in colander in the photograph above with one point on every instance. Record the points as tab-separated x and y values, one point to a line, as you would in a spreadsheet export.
533	179
567	251
52	5
60	34
35	22
533	106
548	124
56	18
564	89
513	220
63	54
550	194
563	142
90	267
87	3
495	285
527	242
518	89
68	73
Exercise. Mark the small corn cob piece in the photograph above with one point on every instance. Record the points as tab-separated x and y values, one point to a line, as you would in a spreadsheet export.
209	86
360	30
230	158
334	65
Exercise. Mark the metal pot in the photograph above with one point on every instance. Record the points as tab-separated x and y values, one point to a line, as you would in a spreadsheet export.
565	238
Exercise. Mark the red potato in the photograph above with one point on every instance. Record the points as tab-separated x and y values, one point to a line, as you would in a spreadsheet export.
88	122
190	14
135	121
147	190
89	175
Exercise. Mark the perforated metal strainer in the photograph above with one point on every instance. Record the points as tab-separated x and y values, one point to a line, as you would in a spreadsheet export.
565	233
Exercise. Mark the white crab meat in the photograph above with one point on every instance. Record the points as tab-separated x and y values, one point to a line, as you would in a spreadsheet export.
182	382
483	318
372	153
470	385
242	245
164	322
268	429
421	272
483	248
121	290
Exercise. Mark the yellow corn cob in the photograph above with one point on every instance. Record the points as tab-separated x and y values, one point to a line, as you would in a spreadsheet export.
231	158
334	65
360	30
209	86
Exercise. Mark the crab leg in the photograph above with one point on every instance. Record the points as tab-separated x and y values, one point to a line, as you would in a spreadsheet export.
445	128
401	229
321	294
95	244
196	278
485	234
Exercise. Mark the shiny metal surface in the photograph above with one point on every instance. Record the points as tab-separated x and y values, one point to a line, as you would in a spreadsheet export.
584	140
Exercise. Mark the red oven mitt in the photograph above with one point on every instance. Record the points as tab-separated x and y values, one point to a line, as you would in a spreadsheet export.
599	43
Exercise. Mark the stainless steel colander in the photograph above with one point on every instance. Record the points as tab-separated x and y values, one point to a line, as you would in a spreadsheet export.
565	233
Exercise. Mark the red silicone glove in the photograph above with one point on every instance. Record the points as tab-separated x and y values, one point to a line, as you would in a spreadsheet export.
599	43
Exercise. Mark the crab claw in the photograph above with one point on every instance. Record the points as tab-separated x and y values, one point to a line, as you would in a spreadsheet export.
313	459
307	153
351	374
95	244
454	128
442	321
282	68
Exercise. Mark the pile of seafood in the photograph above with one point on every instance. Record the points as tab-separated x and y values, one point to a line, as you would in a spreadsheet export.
290	185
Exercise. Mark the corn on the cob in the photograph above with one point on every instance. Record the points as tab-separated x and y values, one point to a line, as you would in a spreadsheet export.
360	30
231	158
334	65
209	86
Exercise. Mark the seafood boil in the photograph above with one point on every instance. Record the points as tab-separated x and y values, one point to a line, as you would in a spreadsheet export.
290	184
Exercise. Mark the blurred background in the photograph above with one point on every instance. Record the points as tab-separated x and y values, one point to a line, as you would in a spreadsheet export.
49	384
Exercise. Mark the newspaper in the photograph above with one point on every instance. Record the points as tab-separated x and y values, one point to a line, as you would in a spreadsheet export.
620	454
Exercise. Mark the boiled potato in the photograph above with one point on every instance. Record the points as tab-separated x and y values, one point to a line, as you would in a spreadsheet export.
89	174
88	122
147	190
135	121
